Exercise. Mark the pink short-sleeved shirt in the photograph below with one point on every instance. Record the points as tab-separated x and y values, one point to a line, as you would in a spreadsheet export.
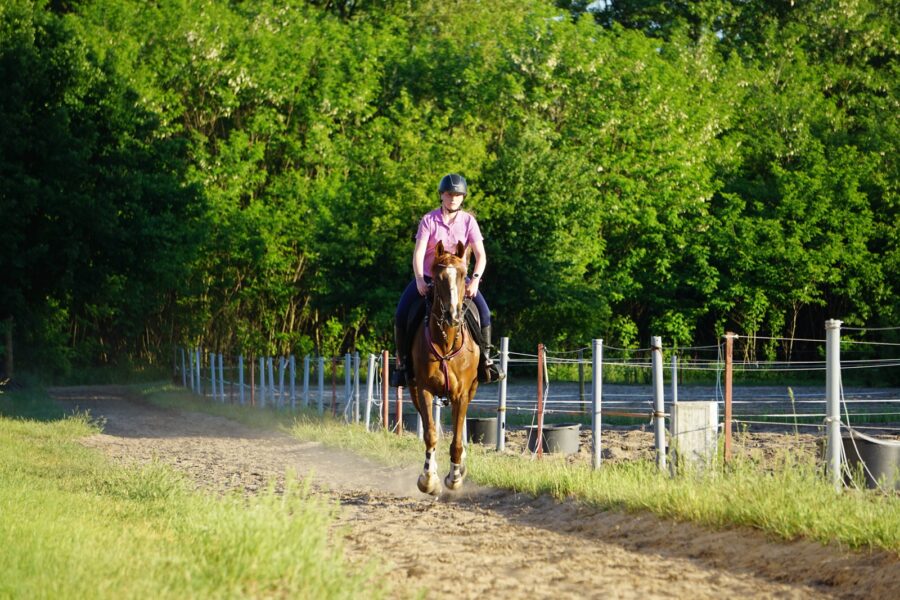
432	227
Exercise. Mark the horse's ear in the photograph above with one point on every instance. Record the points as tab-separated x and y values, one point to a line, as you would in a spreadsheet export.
460	250
439	249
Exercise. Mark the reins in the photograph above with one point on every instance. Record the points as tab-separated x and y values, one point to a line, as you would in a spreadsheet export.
443	359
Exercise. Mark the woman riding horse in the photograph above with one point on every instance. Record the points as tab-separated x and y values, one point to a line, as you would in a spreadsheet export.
445	365
448	224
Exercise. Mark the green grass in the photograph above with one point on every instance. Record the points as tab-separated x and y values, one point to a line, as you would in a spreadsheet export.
790	501
74	525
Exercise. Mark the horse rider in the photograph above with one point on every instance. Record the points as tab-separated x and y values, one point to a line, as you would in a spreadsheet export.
448	224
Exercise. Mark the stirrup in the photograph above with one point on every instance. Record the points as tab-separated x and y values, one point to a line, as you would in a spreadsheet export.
489	373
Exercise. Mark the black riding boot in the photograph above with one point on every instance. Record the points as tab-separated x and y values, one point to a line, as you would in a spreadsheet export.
487	370
398	375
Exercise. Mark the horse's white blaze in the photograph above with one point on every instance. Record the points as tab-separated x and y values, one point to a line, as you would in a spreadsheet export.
454	291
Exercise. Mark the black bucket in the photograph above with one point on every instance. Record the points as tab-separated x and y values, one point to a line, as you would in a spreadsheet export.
482	430
879	459
561	439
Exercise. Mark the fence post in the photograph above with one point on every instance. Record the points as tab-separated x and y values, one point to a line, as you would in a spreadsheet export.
596	399
729	378
334	363
501	401
262	381
199	373
222	377
190	359
252	382
241	376
385	381
281	364
293	368
356	407
370	389
183	372
270	363
321	376
659	408
833	398
539	434
212	374
348	385
674	390
306	381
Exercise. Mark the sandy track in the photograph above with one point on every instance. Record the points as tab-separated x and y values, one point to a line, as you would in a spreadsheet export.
485	541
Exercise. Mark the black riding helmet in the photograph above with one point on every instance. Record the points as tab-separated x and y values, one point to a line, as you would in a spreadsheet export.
453	183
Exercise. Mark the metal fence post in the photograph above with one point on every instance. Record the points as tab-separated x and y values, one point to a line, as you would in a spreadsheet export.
501	400
212	374
199	373
596	399
348	385
222	377
271	381
306	381
833	399
281	365
241	376
370	389
659	409
293	367
321	375
729	379
356	407
262	381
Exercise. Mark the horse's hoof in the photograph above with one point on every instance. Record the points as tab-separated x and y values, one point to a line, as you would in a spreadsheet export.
429	484
453	484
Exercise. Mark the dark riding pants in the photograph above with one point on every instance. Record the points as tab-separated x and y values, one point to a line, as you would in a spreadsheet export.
401	316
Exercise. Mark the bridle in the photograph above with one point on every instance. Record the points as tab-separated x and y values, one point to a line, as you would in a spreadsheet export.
443	359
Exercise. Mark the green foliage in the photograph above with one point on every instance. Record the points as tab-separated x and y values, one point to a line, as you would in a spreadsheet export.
248	176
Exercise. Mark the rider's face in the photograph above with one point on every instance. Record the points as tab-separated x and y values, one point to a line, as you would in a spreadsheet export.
451	201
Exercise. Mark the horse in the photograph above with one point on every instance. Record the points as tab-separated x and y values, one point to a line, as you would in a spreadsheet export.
445	364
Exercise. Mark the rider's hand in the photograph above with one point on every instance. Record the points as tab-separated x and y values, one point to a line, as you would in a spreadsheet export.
472	287
421	286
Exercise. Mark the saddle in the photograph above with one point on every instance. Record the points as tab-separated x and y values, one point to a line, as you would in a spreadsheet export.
422	306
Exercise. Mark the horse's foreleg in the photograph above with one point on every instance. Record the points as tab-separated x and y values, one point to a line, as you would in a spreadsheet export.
457	472
429	482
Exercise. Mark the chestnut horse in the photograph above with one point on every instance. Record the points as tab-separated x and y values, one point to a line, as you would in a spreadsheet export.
445	364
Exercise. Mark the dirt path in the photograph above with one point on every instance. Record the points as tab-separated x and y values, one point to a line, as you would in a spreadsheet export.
485	541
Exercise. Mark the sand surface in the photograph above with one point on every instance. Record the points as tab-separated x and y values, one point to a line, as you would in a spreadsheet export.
482	541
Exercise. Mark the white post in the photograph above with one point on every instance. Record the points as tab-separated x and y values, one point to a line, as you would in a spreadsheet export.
306	369
199	379
321	375
190	360
241	376
212	374
370	389
356	387
281	363
348	388
183	371
674	391
221	377
659	419
501	396
262	381
271	366
833	399
293	365
596	399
